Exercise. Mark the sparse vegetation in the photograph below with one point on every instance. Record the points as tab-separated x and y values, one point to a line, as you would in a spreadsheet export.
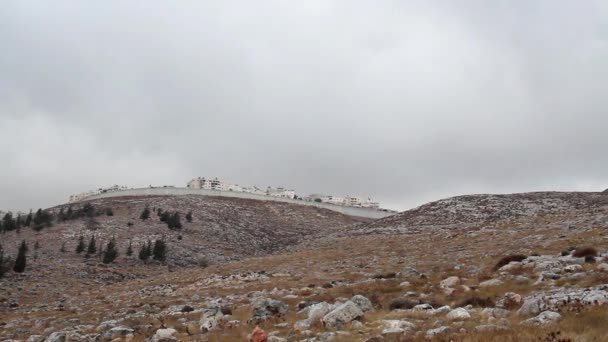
583	252
80	247
111	253
401	303
159	251
145	214
5	262
507	259
21	260
145	251
92	247
129	249
189	217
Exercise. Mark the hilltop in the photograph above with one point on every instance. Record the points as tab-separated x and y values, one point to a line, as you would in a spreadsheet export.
468	268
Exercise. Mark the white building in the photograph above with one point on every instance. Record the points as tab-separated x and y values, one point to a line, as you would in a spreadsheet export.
208	184
83	195
352	201
280	192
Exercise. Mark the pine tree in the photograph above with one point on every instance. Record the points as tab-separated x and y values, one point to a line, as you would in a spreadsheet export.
160	250
80	247
159	212
5	262
110	254
28	219
92	248
189	216
20	262
145	214
129	249
70	214
109	212
61	215
146	251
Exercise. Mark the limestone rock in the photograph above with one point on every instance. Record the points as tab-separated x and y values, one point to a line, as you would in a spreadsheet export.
164	335
544	318
395	326
458	314
342	315
363	303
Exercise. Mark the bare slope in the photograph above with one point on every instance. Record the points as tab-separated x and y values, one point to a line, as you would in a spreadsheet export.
582	208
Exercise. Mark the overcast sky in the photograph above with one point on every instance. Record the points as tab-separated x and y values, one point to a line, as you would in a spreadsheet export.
404	101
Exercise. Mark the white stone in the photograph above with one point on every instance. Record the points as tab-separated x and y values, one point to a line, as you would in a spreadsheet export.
491	282
437	331
545	317
165	335
458	314
395	326
342	315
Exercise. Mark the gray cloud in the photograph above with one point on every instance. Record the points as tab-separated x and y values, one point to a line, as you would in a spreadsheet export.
403	101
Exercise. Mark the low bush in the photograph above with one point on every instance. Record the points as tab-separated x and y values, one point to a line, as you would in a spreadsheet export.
509	258
389	275
583	252
401	303
478	302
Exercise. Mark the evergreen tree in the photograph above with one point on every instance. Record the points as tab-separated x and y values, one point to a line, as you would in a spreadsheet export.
129	249
159	212
62	249
19	222
92	248
109	212
80	247
146	251
110	254
21	258
28	219
88	210
5	262
160	250
8	223
145	214
61	215
38	217
70	214
189	216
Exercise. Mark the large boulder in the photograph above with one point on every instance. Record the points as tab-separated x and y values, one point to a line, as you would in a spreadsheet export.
363	303
342	315
211	319
266	308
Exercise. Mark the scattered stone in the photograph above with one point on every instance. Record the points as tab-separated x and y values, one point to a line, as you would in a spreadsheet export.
437	331
544	318
491	282
395	326
258	335
458	314
165	335
210	319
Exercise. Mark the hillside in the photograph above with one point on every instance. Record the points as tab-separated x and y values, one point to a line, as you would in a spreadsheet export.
565	208
305	274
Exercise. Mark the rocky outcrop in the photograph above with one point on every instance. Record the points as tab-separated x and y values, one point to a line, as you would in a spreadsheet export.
557	299
266	308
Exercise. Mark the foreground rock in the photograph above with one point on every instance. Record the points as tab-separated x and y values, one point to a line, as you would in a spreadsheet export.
557	299
342	315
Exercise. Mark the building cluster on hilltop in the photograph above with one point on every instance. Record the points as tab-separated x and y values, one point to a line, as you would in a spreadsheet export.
221	185
83	195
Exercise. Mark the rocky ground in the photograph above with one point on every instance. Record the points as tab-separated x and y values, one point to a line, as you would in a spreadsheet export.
471	268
